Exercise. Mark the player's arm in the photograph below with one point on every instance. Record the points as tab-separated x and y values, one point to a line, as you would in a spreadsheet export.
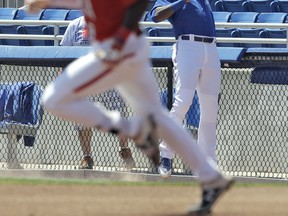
34	5
130	22
162	13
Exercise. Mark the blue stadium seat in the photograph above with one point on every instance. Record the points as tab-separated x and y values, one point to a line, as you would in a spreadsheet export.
73	14
12	29
277	33
244	17
145	16
227	32
253	33
23	15
221	16
233	6
161	32
283	5
55	14
8	13
39	30
262	6
271	17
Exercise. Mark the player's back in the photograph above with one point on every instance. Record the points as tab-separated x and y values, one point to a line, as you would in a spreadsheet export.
110	15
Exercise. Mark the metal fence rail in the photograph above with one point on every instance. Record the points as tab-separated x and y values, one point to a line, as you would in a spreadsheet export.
57	37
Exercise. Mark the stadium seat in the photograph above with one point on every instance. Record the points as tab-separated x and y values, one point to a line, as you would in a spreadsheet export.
244	17
283	5
23	15
161	32
262	6
73	14
227	32
12	29
277	33
39	30
221	16
253	33
233	6
145	16
55	14
271	17
8	13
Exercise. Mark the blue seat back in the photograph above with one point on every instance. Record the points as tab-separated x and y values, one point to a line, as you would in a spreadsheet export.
54	14
233	6
277	33
23	15
221	16
12	29
73	14
227	32
253	33
271	17
262	6
39	30
283	6
244	17
8	13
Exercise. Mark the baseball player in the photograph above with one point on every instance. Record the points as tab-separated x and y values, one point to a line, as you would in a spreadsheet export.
196	65
120	59
76	34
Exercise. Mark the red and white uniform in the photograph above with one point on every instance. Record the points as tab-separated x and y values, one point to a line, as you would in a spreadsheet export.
132	77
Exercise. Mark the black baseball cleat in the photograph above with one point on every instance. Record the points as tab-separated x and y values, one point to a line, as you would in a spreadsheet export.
211	192
147	140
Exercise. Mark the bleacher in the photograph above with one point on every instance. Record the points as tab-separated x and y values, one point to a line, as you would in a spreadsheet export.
224	11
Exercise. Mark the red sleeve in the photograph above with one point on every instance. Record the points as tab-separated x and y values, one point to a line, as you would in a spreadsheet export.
128	2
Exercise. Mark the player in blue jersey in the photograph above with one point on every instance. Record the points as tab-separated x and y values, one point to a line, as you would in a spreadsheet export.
196	66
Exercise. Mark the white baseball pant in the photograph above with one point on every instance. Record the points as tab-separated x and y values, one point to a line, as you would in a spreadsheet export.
196	66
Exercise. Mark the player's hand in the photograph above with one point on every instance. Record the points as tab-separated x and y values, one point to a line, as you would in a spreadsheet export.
113	55
34	6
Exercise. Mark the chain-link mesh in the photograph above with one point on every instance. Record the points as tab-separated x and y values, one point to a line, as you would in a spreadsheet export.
251	128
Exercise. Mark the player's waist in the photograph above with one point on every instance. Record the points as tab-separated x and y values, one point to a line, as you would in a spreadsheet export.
198	38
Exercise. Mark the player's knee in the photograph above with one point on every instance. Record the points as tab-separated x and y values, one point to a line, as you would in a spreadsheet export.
49	101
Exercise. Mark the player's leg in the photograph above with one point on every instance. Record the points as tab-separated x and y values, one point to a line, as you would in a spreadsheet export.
85	137
66	97
187	59
208	91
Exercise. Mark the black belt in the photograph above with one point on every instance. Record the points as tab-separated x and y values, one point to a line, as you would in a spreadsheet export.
197	38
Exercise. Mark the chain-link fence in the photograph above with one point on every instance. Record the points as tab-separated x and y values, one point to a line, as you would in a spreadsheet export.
251	130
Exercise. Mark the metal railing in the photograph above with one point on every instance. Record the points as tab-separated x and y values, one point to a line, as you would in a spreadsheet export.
57	37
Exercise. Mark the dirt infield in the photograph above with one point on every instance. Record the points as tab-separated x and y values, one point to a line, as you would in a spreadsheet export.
136	200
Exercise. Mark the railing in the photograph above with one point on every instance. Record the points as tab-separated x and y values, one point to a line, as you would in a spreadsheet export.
57	37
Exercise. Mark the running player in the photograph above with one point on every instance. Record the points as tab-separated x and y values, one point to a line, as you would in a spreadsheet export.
120	59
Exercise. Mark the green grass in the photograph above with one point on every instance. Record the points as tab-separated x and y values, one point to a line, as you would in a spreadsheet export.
21	181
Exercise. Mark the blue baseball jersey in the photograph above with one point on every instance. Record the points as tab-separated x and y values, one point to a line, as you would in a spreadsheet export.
194	17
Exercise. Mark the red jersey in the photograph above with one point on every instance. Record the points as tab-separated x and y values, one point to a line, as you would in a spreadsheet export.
105	16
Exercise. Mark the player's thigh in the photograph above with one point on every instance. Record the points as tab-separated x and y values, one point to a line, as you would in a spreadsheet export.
84	77
188	60
141	91
210	79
